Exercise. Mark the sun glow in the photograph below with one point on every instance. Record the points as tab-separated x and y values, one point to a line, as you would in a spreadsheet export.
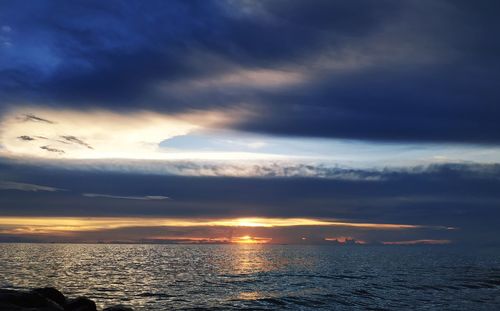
247	239
69	224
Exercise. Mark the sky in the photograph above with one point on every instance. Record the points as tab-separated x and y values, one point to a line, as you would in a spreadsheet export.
285	122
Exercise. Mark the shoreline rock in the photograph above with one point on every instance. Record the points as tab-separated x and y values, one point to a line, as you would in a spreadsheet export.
47	299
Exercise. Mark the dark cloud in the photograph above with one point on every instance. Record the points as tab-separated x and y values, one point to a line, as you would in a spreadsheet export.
8	185
390	107
33	118
52	149
75	140
26	138
390	70
124	197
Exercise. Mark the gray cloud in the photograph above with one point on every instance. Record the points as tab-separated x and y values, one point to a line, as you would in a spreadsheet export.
76	140
121	197
34	118
52	149
10	185
26	138
263	169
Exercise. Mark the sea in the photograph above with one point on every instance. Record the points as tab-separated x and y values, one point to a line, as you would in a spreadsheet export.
260	277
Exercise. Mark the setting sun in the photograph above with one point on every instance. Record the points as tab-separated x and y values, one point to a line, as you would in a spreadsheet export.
246	239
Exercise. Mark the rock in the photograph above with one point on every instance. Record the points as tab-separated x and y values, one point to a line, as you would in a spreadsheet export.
118	308
47	299
52	294
26	300
80	304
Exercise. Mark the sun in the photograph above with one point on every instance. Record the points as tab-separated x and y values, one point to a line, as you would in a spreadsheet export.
247	239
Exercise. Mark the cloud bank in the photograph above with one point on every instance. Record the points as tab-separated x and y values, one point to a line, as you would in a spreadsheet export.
421	71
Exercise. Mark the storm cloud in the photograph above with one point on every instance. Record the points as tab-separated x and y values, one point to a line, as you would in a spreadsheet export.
390	70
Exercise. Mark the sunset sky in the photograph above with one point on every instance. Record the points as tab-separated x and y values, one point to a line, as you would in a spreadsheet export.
250	122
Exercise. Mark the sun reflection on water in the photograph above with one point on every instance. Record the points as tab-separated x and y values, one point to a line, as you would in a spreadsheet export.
251	295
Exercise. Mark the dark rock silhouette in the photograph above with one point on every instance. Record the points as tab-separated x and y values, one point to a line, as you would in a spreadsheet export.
52	294
47	299
18	300
118	308
80	304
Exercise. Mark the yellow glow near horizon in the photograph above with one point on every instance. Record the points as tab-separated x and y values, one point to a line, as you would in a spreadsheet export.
290	222
94	223
34	225
246	239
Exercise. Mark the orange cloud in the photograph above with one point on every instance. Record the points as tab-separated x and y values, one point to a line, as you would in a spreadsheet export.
58	224
345	240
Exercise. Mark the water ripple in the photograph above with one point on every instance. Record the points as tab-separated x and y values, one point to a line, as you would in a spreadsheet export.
256	277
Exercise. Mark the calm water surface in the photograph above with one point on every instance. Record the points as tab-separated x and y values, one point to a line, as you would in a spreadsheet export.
183	277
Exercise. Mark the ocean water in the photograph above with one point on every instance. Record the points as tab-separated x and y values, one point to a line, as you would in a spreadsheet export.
273	277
